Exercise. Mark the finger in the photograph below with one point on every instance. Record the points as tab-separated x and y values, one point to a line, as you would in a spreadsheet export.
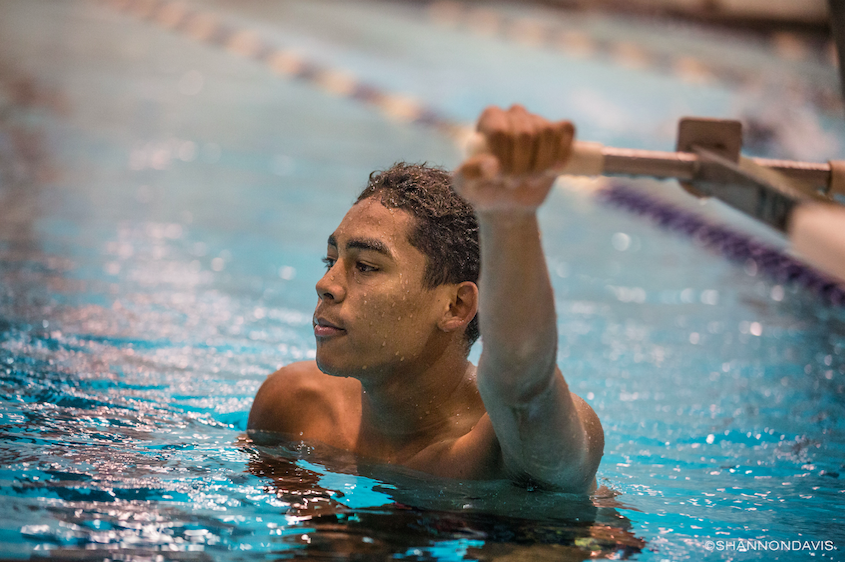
566	133
479	167
495	125
547	144
523	139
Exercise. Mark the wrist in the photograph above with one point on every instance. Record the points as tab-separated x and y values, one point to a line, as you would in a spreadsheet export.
507	219
512	215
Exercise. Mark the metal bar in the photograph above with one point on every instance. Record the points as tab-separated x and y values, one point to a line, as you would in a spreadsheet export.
683	165
768	201
811	172
630	162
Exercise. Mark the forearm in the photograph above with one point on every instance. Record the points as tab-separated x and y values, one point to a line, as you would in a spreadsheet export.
517	316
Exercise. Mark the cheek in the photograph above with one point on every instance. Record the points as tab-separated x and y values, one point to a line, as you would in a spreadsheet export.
401	318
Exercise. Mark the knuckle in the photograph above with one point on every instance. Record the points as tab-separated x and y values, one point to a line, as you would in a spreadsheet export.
566	128
524	135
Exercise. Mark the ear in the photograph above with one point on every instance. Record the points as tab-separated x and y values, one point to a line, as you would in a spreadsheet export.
462	307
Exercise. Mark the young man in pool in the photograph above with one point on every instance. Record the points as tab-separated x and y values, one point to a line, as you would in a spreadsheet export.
396	316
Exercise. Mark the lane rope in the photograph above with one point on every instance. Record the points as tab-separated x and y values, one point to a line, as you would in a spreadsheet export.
207	27
555	36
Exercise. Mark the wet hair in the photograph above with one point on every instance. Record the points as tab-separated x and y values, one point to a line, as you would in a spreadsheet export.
446	229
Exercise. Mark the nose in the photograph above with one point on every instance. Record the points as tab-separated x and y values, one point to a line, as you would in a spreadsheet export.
330	287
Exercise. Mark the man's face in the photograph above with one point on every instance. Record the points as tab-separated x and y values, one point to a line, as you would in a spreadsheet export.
374	315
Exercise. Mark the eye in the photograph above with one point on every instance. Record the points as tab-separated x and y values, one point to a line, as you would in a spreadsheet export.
329	262
365	268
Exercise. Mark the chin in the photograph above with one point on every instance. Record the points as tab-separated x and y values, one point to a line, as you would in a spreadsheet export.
324	366
340	369
331	368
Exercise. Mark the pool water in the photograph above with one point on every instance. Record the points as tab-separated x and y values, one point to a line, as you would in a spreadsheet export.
164	205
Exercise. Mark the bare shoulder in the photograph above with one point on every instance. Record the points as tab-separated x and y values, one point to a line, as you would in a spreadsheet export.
590	421
299	399
271	409
592	426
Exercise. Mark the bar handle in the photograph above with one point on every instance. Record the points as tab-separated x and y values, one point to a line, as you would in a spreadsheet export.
586	158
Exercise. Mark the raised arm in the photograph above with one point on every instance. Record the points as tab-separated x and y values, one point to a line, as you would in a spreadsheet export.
546	434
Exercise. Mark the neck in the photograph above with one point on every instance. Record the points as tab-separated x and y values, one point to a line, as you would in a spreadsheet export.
417	405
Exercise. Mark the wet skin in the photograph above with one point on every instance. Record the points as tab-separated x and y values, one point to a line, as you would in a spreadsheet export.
391	380
380	333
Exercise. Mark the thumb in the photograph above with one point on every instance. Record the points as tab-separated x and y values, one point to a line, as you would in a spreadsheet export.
479	167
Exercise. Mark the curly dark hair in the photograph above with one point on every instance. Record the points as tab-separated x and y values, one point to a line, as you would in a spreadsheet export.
446	229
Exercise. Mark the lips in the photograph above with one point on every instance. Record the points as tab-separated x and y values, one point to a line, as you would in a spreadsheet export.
325	329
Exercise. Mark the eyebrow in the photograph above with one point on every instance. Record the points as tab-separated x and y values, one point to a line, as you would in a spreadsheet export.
373	244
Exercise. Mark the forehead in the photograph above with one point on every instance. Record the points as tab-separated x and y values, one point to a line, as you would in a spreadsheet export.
370	219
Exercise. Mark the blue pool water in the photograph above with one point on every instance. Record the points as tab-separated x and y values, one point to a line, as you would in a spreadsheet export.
164	205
